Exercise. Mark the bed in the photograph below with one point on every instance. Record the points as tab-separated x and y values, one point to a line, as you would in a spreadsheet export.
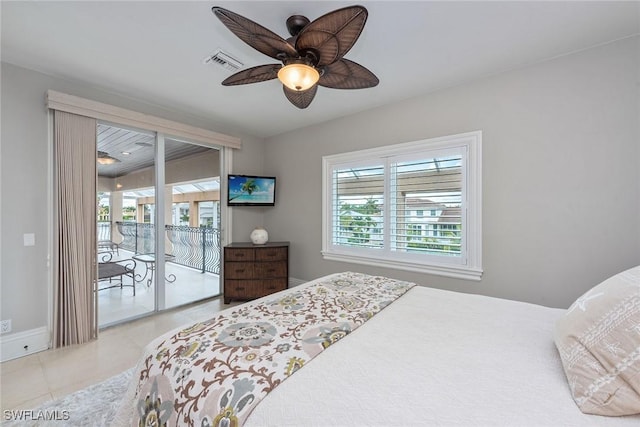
399	355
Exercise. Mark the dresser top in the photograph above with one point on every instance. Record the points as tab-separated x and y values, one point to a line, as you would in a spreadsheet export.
251	245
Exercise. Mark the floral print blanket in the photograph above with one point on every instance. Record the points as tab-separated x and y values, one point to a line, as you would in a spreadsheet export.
215	372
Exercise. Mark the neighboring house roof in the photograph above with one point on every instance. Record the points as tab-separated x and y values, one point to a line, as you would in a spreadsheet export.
420	203
450	215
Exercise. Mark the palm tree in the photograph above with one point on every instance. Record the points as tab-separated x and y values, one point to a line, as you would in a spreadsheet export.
249	186
358	220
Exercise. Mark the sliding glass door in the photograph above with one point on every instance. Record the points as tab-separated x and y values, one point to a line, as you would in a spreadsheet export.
192	222
126	221
158	222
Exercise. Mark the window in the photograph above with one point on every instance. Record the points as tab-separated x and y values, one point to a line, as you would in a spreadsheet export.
180	214
209	213
414	231
148	213
374	202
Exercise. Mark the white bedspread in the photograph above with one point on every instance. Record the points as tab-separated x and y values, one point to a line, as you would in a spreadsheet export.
433	358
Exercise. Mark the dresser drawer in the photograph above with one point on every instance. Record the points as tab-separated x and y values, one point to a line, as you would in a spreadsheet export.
243	289
239	270
270	286
239	254
271	254
270	270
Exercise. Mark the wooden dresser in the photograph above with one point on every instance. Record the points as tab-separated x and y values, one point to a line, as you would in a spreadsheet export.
253	271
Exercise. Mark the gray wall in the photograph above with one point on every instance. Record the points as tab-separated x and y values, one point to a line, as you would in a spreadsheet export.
25	186
561	187
561	182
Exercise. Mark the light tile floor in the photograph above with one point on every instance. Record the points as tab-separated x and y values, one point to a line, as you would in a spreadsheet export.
31	380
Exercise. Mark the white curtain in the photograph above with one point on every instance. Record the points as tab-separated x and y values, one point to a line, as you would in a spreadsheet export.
75	311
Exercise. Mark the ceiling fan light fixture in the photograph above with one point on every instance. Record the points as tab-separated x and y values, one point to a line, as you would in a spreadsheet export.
106	159
298	77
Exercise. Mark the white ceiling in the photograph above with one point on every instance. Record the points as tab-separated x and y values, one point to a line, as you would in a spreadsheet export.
153	50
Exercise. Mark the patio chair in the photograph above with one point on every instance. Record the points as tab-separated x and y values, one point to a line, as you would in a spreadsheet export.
110	246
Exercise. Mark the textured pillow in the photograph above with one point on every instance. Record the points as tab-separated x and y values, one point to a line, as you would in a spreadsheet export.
599	342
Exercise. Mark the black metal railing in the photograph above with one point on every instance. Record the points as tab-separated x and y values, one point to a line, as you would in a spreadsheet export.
195	247
137	237
104	230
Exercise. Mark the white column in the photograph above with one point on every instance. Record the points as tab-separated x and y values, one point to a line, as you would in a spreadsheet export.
115	212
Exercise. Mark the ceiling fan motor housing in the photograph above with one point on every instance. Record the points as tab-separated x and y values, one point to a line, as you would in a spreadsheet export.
295	24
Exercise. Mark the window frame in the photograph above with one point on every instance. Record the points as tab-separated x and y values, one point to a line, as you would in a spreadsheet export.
469	266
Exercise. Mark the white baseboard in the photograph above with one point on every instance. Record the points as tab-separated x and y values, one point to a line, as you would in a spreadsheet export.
23	343
295	282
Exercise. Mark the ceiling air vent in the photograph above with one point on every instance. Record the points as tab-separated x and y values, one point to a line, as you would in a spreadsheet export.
223	60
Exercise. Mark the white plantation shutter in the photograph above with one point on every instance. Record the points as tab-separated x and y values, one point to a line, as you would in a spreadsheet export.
412	206
426	205
357	206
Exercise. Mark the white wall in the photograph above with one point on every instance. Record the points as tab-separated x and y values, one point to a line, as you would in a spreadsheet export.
561	187
25	185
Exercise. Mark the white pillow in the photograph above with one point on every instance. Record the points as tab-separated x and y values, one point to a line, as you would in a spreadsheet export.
599	342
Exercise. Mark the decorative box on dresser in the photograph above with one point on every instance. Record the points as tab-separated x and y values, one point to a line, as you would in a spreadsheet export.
253	271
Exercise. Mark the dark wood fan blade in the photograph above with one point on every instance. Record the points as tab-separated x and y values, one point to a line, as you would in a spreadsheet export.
332	35
345	74
255	35
300	98
261	73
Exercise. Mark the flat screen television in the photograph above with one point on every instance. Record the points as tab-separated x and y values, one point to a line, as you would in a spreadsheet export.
251	190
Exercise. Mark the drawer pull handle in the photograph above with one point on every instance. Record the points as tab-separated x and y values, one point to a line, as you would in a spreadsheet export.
239	255
239	288
271	270
239	270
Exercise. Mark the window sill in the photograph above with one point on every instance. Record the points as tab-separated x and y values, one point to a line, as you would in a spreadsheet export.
453	271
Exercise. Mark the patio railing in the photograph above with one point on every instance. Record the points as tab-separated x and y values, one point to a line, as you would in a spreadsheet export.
195	247
104	230
137	237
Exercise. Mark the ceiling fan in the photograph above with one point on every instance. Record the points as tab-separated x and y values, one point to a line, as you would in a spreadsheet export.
311	57
105	159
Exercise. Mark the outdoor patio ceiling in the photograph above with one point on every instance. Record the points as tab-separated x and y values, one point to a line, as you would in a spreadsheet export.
136	150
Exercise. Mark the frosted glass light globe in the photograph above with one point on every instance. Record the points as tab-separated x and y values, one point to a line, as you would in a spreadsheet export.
298	77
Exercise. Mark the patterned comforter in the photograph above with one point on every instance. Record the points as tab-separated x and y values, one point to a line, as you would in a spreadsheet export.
215	372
